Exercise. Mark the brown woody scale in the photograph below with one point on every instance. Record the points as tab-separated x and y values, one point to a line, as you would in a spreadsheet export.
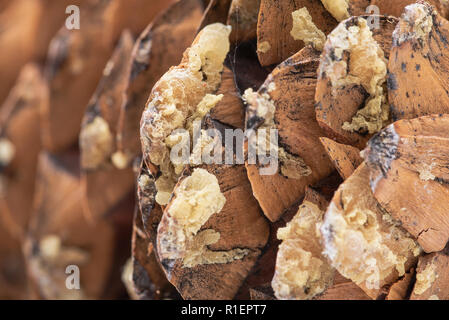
363	150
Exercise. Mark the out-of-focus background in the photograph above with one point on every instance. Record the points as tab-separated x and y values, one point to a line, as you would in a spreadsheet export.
74	79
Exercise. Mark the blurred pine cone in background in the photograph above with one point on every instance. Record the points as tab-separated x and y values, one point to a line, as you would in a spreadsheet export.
97	95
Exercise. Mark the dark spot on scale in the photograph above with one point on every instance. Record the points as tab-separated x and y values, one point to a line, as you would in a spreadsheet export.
392	83
418	67
404	67
254	122
333	56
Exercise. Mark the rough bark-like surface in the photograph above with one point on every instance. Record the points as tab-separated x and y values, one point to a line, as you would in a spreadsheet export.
239	224
418	82
274	41
396	8
289	91
362	240
432	277
409	175
337	103
402	289
345	158
148	279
